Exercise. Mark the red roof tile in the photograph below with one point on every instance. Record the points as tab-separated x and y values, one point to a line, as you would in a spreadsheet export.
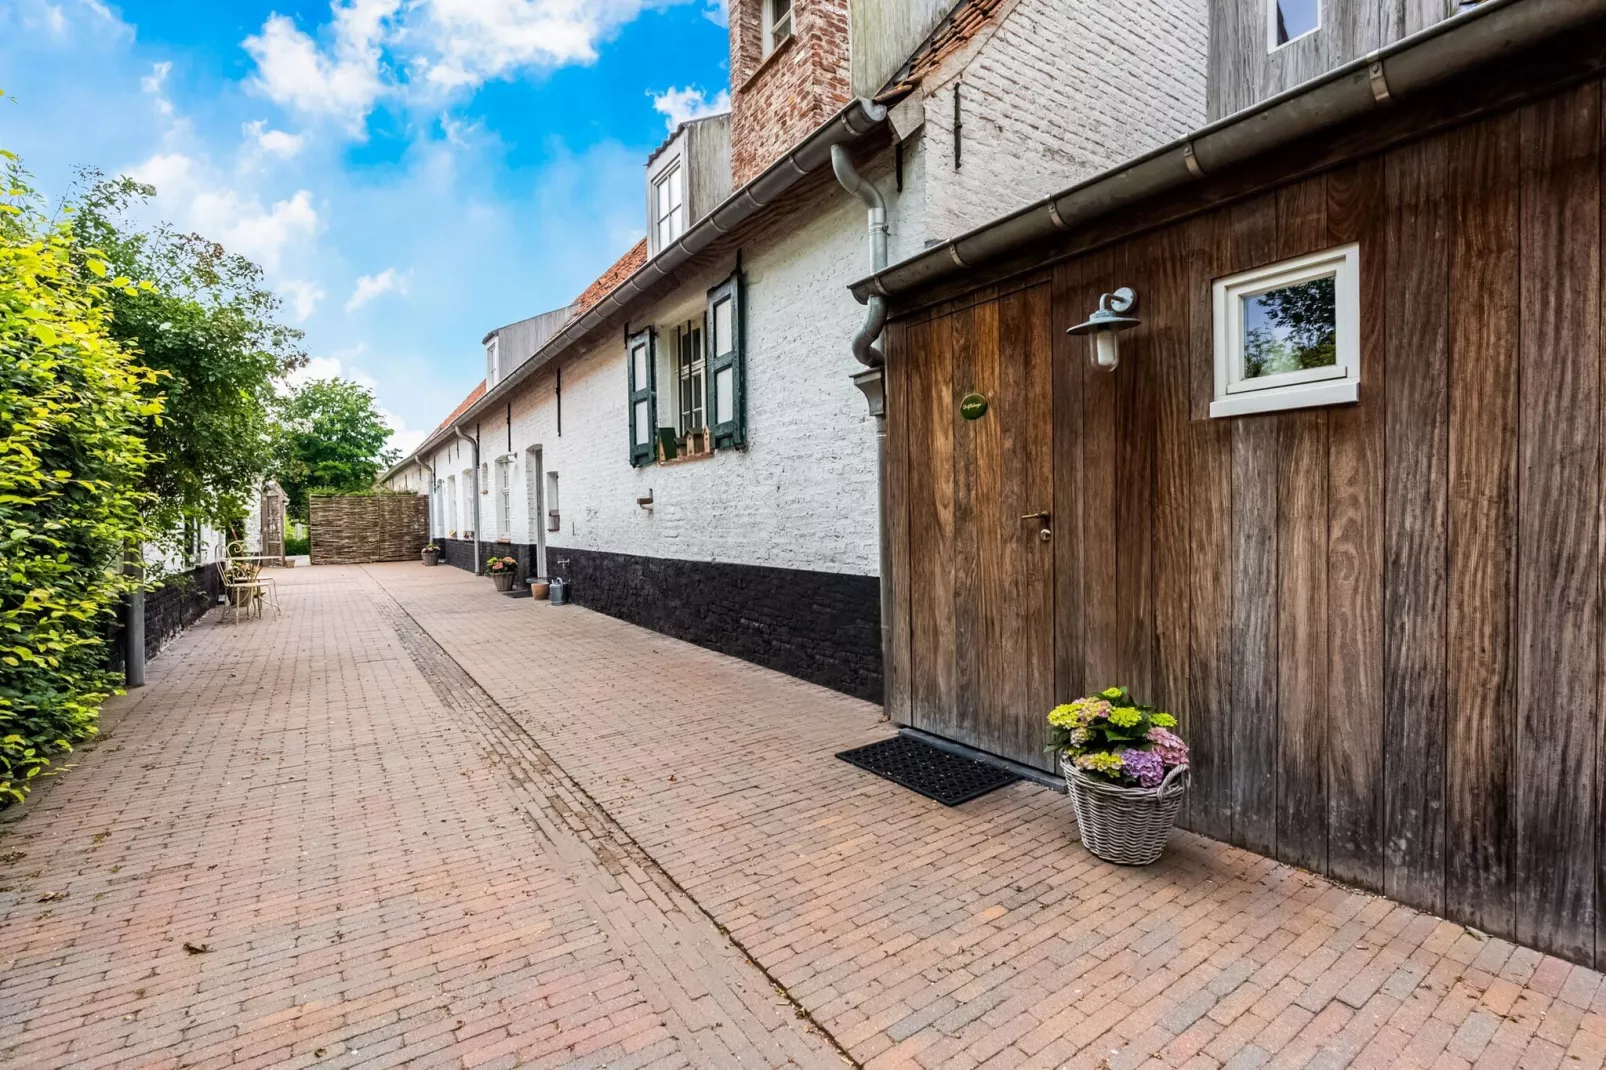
462	407
622	269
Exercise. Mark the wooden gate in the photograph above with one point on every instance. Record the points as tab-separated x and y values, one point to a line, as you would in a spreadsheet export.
976	525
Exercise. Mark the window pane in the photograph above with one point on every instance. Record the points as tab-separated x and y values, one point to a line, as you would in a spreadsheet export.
639	358
724	395
1291	329
1296	18
674	188
722	327
643	430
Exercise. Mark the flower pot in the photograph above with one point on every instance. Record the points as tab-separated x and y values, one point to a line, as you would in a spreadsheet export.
503	580
430	557
540	587
1127	826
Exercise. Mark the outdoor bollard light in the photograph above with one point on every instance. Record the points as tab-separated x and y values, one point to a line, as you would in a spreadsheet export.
1106	323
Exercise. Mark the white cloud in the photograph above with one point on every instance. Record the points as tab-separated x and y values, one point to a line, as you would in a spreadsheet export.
341	82
151	85
303	297
468	42
372	286
61	19
682	105
239	221
272	142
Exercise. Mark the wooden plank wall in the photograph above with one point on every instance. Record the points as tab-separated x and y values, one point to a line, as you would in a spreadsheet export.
1379	624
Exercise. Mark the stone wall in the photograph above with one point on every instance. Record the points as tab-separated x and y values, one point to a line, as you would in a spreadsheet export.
824	627
175	605
351	529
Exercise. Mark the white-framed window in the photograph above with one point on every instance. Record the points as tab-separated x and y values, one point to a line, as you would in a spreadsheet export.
1287	335
691	363
504	497
493	368
669	200
1289	20
451	506
777	23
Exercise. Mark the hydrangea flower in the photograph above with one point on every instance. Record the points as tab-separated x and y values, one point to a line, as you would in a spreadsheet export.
1068	715
1080	736
1163	720
1101	762
1169	746
1110	692
1125	716
1143	766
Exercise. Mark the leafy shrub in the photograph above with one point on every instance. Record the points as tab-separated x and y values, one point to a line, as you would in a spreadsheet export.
72	403
1110	737
297	546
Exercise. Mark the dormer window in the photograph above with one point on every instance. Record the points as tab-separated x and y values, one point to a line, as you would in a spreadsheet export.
1290	20
669	200
777	23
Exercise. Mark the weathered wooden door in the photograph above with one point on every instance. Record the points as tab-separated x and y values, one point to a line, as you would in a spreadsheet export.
980	524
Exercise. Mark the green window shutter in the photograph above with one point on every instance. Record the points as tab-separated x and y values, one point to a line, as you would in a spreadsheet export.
641	368
727	365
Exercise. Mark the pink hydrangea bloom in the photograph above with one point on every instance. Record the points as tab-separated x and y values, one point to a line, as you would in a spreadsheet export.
1169	746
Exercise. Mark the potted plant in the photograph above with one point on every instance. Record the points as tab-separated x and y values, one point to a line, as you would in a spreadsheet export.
430	555
502	571
1126	771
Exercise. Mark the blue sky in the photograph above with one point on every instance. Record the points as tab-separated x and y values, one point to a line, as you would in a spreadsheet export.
411	173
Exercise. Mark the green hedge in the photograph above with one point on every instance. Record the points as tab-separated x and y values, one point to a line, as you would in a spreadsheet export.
71	458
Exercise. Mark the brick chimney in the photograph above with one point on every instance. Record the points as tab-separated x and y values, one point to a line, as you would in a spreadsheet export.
790	72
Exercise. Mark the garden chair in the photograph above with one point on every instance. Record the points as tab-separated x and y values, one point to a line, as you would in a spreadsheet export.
243	589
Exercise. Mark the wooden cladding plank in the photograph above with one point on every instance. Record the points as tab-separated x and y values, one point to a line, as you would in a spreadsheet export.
1027	319
1302	581
1255	444
1355	768
1558	607
974	344
931	528
1103	665
896	518
1416	484
1069	356
1134	388
1484	286
1210	539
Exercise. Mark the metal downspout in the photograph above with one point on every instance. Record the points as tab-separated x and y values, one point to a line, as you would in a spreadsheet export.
872	383
474	445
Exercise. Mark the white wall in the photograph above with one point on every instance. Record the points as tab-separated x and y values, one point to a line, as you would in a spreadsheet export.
1061	90
803	493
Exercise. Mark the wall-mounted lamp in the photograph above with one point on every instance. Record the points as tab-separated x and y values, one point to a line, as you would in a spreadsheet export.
1107	322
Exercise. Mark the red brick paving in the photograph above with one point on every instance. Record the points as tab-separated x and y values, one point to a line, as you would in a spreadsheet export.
923	936
517	854
378	873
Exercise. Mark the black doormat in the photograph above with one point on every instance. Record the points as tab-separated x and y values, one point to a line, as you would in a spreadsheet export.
929	771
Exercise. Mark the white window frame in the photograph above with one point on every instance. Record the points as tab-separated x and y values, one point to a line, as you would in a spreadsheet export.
1272	44
504	497
493	365
776	30
1338	384
674	220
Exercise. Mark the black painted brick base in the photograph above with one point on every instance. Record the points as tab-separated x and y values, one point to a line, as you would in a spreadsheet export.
171	608
824	627
459	553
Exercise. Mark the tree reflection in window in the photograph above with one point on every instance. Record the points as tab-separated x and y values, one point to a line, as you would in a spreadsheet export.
1291	329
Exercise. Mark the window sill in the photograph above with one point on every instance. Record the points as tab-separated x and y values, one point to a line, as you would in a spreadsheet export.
1307	396
767	62
688	458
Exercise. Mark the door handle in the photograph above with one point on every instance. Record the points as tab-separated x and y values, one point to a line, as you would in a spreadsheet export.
1044	515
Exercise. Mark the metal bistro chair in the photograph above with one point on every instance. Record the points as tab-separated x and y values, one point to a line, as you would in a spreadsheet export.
244	590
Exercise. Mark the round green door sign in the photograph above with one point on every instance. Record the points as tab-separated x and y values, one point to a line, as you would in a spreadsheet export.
973	406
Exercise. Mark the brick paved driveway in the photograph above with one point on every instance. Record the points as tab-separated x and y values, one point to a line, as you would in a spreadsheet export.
452	827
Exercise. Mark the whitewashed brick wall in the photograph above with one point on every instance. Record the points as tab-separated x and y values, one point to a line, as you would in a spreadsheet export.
1060	91
803	493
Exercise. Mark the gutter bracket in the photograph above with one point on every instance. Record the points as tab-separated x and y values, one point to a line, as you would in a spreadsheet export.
1192	161
1380	82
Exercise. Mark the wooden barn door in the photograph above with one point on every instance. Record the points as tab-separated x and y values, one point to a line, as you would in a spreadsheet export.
980	625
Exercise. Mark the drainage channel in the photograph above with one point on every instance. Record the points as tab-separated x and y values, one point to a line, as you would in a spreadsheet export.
559	808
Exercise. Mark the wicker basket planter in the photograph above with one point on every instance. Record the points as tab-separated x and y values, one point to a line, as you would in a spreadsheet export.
1127	826
430	557
503	580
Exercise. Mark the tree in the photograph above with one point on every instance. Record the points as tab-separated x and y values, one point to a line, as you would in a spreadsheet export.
208	326
333	437
73	405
